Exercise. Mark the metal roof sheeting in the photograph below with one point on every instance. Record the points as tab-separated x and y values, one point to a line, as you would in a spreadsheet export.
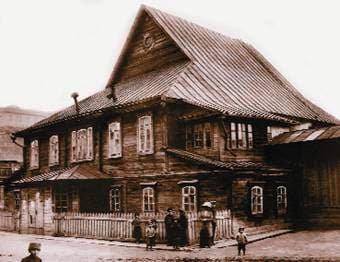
79	172
230	165
223	74
332	132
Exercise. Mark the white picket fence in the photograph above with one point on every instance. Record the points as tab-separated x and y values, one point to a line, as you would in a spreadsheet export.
7	221
118	225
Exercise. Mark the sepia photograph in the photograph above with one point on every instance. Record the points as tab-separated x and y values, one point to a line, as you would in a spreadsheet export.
159	130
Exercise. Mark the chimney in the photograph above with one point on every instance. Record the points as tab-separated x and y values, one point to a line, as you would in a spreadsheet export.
112	94
75	96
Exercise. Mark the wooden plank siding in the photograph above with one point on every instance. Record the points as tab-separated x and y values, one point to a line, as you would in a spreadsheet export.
139	59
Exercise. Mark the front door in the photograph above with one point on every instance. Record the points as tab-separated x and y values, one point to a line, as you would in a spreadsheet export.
35	213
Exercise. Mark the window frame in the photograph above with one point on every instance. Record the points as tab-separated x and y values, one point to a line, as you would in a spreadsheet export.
241	135
112	144
34	146
281	198
199	135
115	206
145	192
143	127
258	198
56	150
188	195
82	145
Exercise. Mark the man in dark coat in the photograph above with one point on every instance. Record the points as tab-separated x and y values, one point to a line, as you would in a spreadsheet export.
183	222
169	220
33	249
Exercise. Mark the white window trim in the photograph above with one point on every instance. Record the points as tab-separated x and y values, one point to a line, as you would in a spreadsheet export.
88	145
253	190
114	208
53	159
188	195
34	163
111	152
153	204
145	151
281	194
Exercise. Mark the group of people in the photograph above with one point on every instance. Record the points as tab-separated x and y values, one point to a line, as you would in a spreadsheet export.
176	230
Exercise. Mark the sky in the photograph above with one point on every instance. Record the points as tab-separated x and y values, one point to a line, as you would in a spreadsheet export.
49	49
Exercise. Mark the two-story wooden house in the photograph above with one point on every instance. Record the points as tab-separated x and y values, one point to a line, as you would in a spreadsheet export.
183	120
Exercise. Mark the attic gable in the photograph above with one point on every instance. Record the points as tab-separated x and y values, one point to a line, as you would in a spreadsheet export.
147	48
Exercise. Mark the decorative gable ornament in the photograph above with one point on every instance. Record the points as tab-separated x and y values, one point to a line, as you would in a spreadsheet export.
148	42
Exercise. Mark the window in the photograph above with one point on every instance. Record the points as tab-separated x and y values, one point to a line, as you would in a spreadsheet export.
115	199
199	136
241	135
189	198
61	201
256	200
82	145
115	140
66	199
281	200
148	199
53	150
34	160
145	135
269	133
17	199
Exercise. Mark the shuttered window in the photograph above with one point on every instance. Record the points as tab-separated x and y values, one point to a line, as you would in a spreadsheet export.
256	198
53	157
115	140
82	145
148	199
189	198
145	135
34	154
281	200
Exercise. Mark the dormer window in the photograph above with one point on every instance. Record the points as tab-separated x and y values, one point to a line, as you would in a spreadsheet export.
145	135
53	157
241	135
82	145
199	135
34	154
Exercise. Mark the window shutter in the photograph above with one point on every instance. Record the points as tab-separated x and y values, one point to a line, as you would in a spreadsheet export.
56	150
89	143
115	144
51	153
74	146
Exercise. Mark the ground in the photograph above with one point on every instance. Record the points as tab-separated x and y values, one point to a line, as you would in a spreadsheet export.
298	246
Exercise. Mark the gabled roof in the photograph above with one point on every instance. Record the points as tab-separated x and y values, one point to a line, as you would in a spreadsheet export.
224	74
308	135
78	172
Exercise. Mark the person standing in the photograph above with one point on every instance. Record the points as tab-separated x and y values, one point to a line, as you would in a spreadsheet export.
242	241
150	235
137	229
176	234
168	221
33	249
214	221
206	218
183	222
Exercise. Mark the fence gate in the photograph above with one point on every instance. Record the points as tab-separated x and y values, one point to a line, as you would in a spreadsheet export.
35	213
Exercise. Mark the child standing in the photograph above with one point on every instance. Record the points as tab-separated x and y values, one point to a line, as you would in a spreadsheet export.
150	235
33	249
242	241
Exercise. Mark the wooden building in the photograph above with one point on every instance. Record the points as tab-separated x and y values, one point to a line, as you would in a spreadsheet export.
183	120
314	155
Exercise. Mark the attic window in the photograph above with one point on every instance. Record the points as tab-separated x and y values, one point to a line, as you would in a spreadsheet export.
148	42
